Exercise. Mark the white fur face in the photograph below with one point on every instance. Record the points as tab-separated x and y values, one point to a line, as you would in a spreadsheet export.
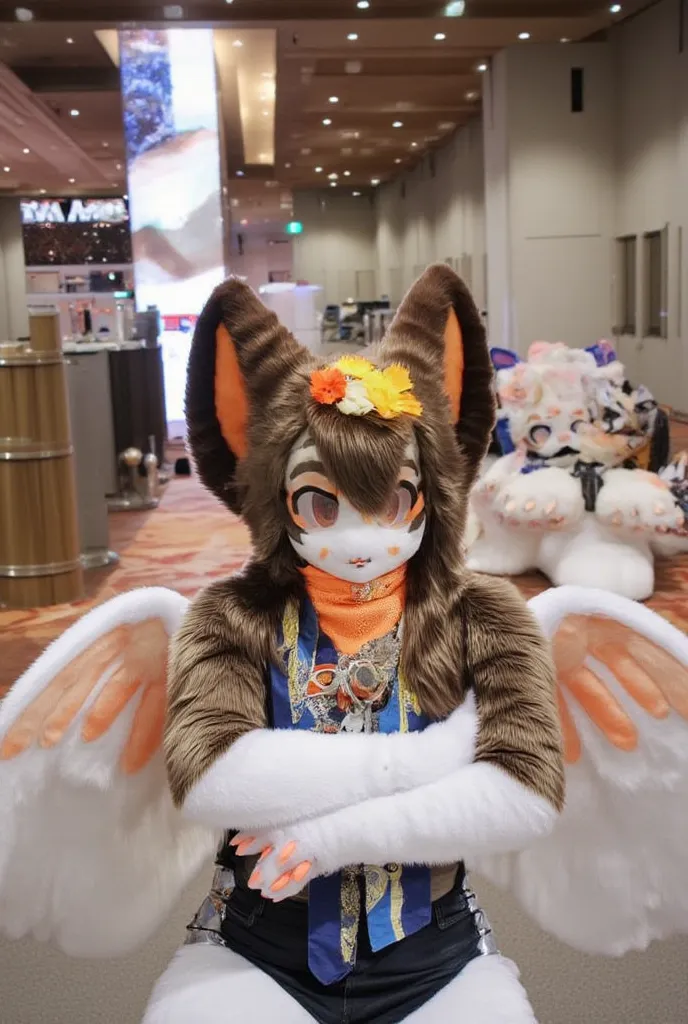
330	534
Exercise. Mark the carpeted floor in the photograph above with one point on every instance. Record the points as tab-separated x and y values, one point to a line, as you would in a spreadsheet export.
191	540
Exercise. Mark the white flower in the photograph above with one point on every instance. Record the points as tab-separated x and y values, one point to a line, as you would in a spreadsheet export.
355	401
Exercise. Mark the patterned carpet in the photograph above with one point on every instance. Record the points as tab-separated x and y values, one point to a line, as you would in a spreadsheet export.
191	540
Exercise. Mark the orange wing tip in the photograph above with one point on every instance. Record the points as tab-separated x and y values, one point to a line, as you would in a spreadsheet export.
13	746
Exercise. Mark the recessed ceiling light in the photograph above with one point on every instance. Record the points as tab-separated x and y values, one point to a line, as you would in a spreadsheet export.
229	1
333	184
26	150
456	9
240	174
333	176
615	9
471	95
440	36
374	181
352	37
306	151
244	223
445	126
265	113
482	67
327	120
414	145
125	196
363	5
397	124
334	99
72	181
237	43
347	174
564	39
287	166
118	167
70	40
318	170
7	170
42	192
74	112
524	35
23	14
106	145
398	160
354	194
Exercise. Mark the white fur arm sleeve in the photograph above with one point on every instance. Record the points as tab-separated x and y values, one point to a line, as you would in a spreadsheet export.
477	810
271	777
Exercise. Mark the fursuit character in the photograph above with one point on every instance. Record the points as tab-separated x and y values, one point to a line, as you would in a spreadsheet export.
571	498
352	720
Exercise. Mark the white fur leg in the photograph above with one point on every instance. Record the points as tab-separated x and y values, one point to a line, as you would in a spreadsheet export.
503	551
210	983
596	556
487	991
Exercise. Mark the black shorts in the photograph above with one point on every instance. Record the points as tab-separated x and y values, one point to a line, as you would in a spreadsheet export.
383	987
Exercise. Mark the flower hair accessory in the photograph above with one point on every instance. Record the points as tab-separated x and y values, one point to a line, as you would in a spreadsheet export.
358	387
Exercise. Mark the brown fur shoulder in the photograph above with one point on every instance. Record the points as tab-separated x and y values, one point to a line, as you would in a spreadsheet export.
510	665
217	672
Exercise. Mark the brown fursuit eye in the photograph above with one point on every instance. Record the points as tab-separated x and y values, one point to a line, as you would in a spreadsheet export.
315	507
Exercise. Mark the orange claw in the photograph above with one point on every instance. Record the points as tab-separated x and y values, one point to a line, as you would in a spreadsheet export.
286	852
602	708
281	883
256	879
266	853
244	846
301	870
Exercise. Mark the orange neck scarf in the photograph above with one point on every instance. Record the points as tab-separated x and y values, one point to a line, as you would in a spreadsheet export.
351	614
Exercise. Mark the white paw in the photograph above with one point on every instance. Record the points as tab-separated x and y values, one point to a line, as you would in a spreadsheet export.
546	499
638	504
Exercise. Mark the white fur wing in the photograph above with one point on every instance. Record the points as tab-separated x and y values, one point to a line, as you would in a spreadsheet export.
91	858
612	875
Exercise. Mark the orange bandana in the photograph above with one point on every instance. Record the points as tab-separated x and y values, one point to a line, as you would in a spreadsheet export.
351	614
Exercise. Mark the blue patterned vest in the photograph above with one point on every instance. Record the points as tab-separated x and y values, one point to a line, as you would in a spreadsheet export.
396	899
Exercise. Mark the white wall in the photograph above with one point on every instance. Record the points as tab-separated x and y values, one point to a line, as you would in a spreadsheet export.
261	255
14	319
337	248
549	195
652	181
435	213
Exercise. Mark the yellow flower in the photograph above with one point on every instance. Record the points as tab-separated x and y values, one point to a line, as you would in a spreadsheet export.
354	366
399	377
410	405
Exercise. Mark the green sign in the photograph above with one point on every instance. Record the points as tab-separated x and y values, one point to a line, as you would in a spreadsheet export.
294	227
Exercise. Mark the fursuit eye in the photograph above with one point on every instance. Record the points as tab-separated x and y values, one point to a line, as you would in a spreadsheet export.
399	505
317	508
576	425
538	435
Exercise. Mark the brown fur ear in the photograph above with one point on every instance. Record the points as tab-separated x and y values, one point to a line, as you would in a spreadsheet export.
438	335
240	357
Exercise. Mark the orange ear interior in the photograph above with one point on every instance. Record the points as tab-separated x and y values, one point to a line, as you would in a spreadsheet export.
231	400
453	363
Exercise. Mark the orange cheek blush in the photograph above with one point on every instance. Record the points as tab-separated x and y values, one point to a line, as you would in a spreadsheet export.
393	552
324	552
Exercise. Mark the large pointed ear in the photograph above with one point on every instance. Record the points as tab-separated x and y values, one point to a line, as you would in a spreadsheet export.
240	356
438	335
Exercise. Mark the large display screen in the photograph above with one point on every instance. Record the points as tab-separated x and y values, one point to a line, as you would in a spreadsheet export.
74	211
170	101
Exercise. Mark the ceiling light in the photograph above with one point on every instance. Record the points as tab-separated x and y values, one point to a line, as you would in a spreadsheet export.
118	167
615	9
363	5
26	150
353	67
72	181
397	124
265	113
333	184
7	170
334	99
471	95
445	126
244	223
352	37
106	145
74	112
398	160
240	174
229	1
414	145
333	176
440	37
564	39
287	166
374	181
306	151
70	40
23	14
354	194
455	10
318	170
237	43
125	196
42	192
327	120
524	35
481	67
347	174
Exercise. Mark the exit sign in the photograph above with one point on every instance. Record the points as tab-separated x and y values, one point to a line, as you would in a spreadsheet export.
294	227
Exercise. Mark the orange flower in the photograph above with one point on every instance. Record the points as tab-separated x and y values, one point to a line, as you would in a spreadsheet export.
328	386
